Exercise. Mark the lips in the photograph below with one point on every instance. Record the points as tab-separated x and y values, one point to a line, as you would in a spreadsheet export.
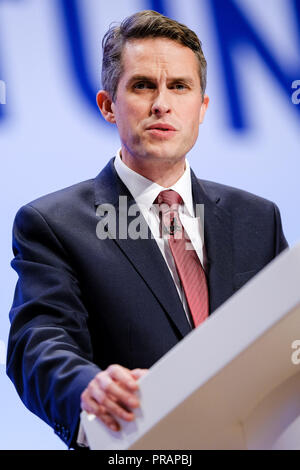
161	127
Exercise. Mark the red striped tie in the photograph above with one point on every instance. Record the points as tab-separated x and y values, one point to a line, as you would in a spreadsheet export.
187	263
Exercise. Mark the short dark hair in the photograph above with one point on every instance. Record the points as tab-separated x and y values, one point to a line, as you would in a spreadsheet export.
145	24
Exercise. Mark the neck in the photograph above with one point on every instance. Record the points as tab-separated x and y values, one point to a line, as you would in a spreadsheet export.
163	172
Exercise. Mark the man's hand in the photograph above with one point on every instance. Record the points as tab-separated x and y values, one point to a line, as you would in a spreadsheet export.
111	394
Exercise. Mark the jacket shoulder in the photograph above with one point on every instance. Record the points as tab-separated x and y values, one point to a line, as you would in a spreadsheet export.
63	200
230	197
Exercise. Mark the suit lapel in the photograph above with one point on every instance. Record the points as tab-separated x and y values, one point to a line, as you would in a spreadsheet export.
144	254
218	244
148	261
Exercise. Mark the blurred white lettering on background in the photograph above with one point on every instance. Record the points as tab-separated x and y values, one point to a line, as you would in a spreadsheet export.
2	92
2	352
296	94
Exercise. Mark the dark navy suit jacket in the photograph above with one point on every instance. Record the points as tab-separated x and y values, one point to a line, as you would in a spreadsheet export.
82	303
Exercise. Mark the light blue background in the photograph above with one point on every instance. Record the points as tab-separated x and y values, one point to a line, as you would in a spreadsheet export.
51	138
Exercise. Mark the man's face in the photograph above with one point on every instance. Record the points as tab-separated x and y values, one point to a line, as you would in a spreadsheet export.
158	105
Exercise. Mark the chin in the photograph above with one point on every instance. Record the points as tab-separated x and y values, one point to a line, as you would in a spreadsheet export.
168	158
162	153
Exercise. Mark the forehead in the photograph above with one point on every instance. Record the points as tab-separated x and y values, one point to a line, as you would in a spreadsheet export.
158	54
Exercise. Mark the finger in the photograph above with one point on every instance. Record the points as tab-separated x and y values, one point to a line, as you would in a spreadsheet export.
102	407
109	421
115	389
123	396
138	373
113	407
113	425
115	399
90	405
122	375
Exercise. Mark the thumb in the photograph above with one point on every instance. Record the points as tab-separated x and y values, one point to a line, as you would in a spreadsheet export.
138	373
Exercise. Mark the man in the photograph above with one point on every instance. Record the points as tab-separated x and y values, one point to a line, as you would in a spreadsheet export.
91	312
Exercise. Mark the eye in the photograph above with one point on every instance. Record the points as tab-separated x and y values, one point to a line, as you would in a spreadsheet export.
140	85
179	86
143	85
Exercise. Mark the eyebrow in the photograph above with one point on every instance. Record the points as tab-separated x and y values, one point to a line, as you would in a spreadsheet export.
148	78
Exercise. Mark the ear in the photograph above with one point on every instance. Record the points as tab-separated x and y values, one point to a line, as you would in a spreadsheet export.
203	108
106	105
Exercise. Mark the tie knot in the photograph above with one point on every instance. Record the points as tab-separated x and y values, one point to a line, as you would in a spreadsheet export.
169	197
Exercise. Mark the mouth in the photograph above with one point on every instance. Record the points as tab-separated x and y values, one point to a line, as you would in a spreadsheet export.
161	130
161	127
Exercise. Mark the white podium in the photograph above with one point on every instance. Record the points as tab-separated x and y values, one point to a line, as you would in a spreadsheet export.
233	383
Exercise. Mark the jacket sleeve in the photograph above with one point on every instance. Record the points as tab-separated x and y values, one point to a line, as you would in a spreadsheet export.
49	357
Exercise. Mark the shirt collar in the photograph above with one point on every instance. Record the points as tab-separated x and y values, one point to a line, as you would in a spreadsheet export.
145	191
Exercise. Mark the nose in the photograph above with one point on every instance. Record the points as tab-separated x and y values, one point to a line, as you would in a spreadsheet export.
160	105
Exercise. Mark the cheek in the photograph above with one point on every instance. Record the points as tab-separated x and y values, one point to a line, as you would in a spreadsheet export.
131	117
190	111
123	121
191	123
